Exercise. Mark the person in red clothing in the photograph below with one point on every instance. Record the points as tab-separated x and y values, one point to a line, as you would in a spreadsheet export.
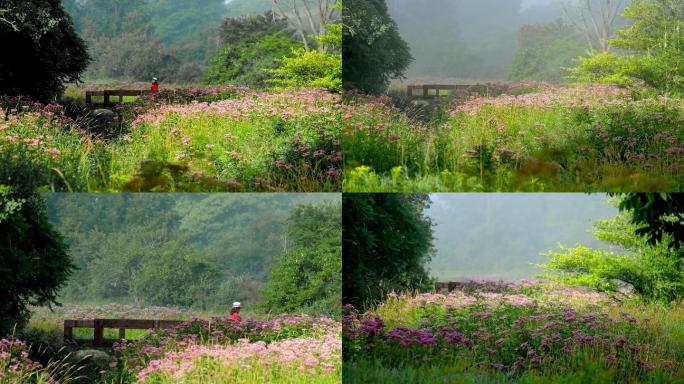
235	312
155	85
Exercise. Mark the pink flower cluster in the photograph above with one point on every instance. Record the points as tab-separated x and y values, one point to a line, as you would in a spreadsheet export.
14	359
549	98
305	353
286	106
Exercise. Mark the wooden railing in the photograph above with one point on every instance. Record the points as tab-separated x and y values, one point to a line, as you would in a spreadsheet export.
449	286
108	94
122	325
424	90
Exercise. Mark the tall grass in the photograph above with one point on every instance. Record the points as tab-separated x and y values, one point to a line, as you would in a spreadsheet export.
224	139
569	139
525	334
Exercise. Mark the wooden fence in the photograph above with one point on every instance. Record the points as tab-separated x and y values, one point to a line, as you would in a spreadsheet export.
108	94
424	90
449	286
432	91
122	325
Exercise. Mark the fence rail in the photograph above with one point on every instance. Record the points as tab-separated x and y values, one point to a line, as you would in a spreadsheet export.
449	286
424	90
122	325
108	94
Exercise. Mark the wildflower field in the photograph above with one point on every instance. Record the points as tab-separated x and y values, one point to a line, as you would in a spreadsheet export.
514	333
195	139
531	137
282	349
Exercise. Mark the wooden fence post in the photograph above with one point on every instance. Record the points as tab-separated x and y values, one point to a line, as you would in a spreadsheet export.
68	332
99	331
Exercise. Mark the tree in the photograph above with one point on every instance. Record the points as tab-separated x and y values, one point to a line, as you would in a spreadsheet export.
659	217
34	259
40	49
652	270
308	276
387	242
595	21
543	50
653	50
373	52
313	69
324	13
252	46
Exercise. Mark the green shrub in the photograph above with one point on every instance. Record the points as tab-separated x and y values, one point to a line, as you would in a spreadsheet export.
653	46
653	272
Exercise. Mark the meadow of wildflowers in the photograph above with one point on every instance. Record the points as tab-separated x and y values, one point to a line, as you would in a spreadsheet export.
285	349
282	349
222	139
523	333
17	367
571	139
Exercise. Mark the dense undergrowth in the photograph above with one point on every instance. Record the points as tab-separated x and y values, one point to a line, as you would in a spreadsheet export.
221	139
543	138
527	333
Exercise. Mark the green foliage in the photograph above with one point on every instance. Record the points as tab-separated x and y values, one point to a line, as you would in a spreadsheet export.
172	276
534	333
34	259
252	46
308	276
309	69
168	39
373	52
40	49
541	141
657	216
652	46
192	250
187	28
387	243
652	271
543	50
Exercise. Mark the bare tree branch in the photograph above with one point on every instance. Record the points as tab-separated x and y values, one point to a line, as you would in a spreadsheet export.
595	24
7	21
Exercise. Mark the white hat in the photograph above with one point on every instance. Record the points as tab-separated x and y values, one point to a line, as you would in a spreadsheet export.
236	304
154	79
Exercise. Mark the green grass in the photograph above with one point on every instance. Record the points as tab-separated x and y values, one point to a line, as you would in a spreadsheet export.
230	140
585	139
500	324
209	370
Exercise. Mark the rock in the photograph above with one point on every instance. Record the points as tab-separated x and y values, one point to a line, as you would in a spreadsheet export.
105	120
95	356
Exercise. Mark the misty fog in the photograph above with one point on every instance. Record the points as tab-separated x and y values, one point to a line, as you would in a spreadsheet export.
497	236
466	40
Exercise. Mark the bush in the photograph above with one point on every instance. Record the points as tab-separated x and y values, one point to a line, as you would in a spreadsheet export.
313	69
654	272
653	43
308	277
251	48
